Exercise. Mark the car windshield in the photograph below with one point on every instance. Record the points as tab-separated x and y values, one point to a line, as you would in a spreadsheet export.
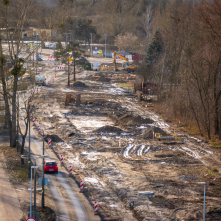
51	163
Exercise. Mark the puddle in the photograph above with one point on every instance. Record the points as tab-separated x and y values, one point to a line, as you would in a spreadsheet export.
146	150
91	155
140	150
113	205
75	161
126	151
94	181
66	146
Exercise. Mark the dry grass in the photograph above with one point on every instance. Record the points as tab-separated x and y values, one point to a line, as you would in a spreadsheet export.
215	143
17	173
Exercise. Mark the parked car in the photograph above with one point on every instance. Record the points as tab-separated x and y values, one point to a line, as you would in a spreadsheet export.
50	166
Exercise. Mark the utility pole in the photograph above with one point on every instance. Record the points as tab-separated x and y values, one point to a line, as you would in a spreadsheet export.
74	68
70	35
66	37
29	162
37	55
33	53
105	44
17	124
91	44
30	68
68	73
34	213
43	162
24	156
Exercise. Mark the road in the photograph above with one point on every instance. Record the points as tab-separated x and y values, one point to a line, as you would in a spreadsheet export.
68	205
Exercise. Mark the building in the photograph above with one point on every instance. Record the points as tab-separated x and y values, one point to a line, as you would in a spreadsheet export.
27	33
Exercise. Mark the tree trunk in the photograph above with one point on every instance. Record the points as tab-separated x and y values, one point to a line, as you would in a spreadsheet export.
5	94
194	112
216	116
220	124
13	139
22	148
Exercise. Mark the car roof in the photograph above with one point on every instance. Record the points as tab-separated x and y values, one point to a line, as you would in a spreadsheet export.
47	161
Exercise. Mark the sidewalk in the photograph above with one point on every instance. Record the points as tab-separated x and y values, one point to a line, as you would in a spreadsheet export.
9	204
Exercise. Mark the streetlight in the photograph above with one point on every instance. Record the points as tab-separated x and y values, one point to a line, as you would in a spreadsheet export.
74	53
37	55
66	37
34	158
29	163
43	174
105	44
33	167
70	35
91	44
17	123
204	207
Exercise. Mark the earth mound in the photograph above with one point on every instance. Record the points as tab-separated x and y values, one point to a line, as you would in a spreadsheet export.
79	84
148	134
132	120
102	78
54	138
108	129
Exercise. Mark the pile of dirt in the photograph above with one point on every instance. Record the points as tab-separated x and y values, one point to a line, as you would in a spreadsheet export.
127	119
79	84
102	78
54	138
108	129
148	134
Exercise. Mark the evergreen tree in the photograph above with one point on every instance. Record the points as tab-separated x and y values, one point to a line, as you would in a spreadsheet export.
155	49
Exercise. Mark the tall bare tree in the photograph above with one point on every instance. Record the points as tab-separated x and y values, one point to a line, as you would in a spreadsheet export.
13	16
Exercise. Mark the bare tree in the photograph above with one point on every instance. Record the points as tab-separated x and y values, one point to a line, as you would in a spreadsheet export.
14	14
127	42
148	22
118	16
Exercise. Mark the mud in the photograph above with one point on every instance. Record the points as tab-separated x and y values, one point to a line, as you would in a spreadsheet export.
108	140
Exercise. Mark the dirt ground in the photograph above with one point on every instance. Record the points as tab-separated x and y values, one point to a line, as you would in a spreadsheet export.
108	139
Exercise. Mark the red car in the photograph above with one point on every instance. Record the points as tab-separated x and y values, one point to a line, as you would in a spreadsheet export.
50	166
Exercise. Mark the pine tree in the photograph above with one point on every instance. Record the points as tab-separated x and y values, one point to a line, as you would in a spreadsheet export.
155	49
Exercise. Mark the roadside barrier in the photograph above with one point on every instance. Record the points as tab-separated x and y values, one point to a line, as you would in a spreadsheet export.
37	89
39	129
49	142
95	207
61	68
62	159
70	170
53	79
41	87
33	120
30	116
82	186
42	133
48	83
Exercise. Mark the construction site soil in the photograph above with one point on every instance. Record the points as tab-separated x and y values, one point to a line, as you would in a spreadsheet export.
108	139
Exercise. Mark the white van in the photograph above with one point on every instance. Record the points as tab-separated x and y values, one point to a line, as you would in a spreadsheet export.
40	79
